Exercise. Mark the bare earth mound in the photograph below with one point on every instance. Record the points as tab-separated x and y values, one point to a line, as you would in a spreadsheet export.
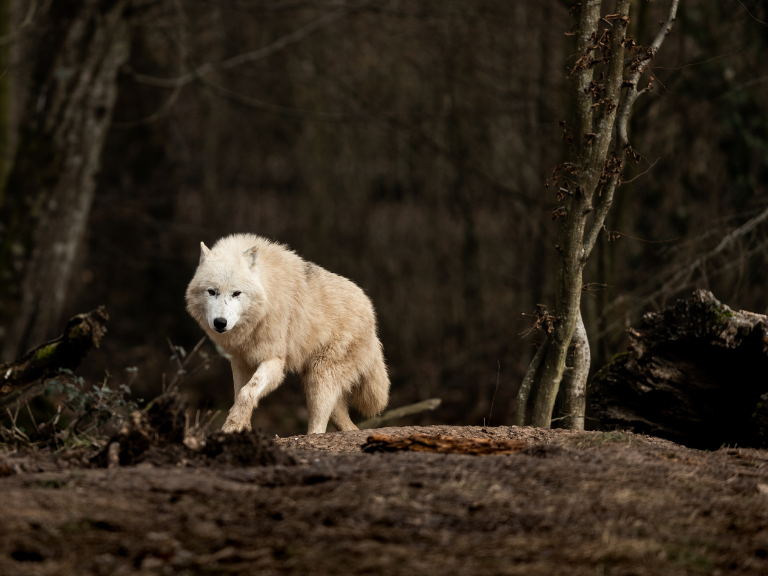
569	503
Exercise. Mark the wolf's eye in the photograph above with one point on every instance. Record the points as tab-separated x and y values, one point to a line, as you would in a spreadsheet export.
236	294
212	292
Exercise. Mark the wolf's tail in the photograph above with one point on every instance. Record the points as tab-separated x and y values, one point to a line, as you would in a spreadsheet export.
371	395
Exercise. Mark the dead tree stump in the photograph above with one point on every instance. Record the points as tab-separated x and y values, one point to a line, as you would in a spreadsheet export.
695	373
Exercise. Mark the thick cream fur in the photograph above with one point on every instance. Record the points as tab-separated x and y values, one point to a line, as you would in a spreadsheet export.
290	315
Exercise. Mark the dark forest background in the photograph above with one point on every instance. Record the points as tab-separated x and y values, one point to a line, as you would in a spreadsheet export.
402	144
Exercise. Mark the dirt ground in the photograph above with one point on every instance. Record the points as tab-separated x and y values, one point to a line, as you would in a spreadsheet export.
570	503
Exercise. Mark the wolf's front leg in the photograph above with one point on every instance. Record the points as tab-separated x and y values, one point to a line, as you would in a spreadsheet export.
267	377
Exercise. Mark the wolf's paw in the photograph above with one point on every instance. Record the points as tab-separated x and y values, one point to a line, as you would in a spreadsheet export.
230	426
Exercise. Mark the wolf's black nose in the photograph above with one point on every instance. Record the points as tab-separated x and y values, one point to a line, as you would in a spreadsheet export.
220	324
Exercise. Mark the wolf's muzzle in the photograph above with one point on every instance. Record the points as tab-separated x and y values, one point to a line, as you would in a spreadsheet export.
220	324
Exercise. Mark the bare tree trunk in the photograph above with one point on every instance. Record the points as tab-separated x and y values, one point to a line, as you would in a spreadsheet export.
48	194
572	398
580	186
6	89
525	388
597	166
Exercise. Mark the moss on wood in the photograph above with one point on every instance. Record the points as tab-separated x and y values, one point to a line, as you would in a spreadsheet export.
695	373
82	333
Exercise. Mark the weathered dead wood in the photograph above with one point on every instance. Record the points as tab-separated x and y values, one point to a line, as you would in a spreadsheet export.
26	376
402	412
442	444
695	373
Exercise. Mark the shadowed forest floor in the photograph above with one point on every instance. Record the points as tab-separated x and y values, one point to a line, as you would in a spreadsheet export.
571	503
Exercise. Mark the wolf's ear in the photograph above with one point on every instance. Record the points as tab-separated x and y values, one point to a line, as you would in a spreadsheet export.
251	256
204	253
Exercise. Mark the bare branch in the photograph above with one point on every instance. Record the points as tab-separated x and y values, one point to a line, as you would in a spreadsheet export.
750	14
625	109
642	173
247	57
590	17
681	279
633	304
162	111
613	84
731	53
666	27
727	240
743	86
613	79
602	210
631	95
600	213
276	109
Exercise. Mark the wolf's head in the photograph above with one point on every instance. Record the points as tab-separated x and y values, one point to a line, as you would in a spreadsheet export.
226	291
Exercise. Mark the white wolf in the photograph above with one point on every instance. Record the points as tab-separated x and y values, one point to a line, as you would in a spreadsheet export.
272	311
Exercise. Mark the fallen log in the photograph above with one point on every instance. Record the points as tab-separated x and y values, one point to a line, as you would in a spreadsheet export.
25	377
441	444
695	373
